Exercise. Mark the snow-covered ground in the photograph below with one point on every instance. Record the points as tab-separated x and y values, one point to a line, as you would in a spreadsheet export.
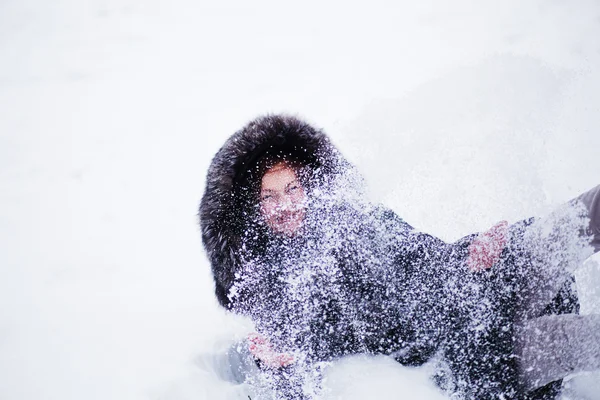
459	114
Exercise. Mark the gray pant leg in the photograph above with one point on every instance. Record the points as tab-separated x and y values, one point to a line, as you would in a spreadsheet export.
554	346
558	243
591	201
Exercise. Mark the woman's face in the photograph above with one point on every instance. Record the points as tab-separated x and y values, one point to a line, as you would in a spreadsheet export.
282	200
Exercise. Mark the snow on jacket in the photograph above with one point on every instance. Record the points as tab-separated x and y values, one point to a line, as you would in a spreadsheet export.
357	278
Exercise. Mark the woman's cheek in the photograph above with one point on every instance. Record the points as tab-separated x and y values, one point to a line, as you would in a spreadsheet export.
299	200
268	212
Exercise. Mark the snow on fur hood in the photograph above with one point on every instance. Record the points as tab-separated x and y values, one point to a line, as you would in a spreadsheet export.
222	215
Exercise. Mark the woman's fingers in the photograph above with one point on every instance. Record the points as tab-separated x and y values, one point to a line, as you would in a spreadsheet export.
487	247
260	348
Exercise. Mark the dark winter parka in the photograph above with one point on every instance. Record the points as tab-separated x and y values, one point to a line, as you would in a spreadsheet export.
356	278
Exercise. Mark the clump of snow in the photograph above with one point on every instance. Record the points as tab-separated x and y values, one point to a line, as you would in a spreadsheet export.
361	377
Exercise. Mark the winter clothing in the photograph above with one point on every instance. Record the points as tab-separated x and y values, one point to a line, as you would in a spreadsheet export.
556	345
534	278
565	302
357	278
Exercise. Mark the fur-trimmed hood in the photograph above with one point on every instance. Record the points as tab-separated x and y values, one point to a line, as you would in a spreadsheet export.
232	174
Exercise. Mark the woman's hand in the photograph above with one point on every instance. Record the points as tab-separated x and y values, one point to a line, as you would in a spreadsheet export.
261	348
487	247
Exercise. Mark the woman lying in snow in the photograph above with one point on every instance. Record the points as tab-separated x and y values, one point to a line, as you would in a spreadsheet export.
322	273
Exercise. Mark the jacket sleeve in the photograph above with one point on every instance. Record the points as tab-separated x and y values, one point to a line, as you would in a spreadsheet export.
417	250
420	269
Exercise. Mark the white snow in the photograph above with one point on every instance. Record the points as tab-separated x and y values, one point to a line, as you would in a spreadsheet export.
459	114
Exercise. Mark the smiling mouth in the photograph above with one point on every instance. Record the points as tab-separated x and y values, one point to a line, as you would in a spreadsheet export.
289	221
288	217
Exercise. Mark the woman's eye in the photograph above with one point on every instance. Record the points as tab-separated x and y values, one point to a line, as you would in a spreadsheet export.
266	197
295	187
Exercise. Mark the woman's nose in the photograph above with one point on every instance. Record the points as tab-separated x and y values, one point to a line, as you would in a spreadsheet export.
285	203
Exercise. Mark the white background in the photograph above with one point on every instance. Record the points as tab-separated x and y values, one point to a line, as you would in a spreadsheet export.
459	114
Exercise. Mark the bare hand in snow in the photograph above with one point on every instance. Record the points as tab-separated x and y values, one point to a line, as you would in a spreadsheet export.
485	250
261	348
